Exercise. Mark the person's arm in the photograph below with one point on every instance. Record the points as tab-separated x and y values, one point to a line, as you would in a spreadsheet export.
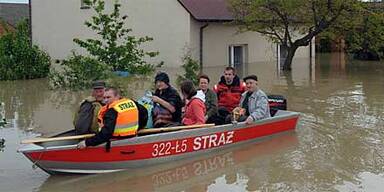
164	103
261	108
143	115
106	132
84	118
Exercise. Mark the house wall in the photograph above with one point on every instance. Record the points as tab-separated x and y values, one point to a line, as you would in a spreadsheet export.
219	36
56	22
194	43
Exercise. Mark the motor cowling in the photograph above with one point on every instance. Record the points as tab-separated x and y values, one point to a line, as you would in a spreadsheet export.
276	102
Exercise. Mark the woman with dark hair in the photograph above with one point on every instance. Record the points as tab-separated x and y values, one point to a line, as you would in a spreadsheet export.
195	107
210	99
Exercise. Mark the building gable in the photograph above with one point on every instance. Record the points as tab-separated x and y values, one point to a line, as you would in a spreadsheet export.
208	10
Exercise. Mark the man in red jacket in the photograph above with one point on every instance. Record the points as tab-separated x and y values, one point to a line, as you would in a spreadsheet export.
228	91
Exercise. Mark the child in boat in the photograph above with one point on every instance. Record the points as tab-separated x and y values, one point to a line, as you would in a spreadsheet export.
195	108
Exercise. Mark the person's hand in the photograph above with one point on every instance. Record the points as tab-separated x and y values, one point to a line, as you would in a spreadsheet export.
81	145
249	120
155	99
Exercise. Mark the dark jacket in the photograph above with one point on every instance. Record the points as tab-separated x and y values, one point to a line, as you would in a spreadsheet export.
85	120
211	103
109	121
229	95
171	96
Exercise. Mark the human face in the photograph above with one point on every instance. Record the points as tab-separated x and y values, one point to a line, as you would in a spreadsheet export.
229	75
98	94
110	97
203	84
160	85
251	85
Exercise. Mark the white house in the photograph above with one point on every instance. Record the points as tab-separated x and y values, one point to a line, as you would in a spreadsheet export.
201	27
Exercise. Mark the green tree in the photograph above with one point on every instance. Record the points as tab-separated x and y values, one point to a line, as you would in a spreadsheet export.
19	58
191	68
292	23
115	46
367	36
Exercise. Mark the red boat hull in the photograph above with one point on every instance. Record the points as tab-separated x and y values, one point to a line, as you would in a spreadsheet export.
152	149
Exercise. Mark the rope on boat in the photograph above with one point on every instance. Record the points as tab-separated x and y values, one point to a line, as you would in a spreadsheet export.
34	165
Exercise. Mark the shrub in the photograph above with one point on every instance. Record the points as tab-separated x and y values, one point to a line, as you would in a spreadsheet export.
19	59
191	68
78	72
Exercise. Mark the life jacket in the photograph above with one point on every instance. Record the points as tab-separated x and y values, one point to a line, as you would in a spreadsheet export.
96	106
127	122
229	96
100	116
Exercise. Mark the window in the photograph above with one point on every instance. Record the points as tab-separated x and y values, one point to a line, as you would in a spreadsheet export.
83	5
237	58
235	55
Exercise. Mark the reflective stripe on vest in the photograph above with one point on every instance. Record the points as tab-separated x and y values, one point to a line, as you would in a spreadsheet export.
127	122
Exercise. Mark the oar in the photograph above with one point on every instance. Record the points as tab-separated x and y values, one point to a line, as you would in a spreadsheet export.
42	139
140	132
166	129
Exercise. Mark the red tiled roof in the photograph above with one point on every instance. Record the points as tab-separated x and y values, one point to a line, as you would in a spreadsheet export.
208	10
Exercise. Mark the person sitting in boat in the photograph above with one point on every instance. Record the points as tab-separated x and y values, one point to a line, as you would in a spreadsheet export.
228	91
210	98
253	103
120	118
195	108
167	103
85	120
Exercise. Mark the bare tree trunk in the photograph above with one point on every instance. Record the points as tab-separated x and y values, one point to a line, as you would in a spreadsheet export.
288	61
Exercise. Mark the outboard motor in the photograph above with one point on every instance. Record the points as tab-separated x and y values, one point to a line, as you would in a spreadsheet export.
276	102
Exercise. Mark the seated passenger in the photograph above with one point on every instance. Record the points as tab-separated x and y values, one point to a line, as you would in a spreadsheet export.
210	98
195	107
85	120
167	103
254	102
122	118
228	91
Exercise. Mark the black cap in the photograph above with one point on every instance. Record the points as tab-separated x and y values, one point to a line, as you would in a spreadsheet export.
254	77
99	84
162	76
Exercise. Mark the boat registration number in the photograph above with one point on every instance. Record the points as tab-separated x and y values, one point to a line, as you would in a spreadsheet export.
169	147
192	144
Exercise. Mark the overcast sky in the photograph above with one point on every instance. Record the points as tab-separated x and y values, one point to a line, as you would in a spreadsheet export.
13	1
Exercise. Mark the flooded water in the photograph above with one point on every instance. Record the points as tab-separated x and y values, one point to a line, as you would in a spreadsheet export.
338	144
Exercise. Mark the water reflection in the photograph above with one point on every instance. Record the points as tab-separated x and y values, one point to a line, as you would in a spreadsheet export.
230	169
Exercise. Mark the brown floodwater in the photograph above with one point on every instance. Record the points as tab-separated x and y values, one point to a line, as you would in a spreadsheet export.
338	144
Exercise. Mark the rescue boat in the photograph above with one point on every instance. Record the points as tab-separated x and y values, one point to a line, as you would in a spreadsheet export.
146	150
